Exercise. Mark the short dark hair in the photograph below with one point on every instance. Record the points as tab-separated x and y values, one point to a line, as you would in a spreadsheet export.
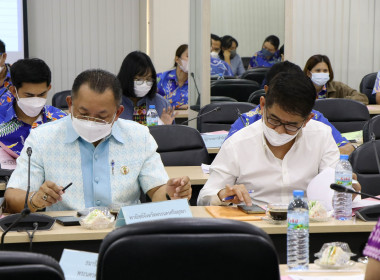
280	67
318	58
215	37
2	47
99	81
180	50
227	41
30	70
293	92
136	64
273	39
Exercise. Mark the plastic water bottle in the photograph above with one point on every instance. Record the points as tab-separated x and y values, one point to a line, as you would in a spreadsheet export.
298	233
220	76
342	202
152	116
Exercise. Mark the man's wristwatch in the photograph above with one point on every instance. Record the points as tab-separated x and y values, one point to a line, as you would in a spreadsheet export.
32	204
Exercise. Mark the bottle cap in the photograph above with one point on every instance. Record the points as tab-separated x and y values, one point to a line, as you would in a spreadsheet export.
152	107
344	157
298	193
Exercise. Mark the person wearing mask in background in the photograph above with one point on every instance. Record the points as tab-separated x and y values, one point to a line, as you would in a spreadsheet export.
376	88
217	66
268	55
138	80
318	68
173	84
5	77
229	55
345	147
31	83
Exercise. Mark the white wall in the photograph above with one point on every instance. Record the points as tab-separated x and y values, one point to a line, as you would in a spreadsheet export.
248	21
347	31
72	36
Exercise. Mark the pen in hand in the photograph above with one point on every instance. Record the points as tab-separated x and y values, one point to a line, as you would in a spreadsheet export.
65	188
232	196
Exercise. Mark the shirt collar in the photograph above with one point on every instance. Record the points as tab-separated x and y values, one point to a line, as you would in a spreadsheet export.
72	135
173	76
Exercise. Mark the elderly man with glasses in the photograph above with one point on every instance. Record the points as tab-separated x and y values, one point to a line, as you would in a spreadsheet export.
107	159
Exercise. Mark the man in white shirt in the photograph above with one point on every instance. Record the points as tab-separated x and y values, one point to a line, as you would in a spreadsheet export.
277	155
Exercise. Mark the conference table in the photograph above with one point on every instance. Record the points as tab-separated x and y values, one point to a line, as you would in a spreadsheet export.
374	109
52	242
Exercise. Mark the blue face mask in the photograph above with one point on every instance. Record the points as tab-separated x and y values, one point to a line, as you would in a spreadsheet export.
265	52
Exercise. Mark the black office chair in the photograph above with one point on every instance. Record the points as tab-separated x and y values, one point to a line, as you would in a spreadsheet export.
239	89
180	145
254	98
216	77
371	128
366	86
345	114
223	118
25	265
187	248
364	164
255	74
245	60
59	99
215	99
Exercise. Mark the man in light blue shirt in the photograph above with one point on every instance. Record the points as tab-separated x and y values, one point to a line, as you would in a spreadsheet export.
108	160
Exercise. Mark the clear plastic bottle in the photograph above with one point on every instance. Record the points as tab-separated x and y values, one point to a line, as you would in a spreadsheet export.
152	116
342	202
298	233
220	76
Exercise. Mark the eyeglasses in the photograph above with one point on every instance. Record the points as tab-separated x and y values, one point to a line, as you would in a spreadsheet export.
92	119
288	127
140	82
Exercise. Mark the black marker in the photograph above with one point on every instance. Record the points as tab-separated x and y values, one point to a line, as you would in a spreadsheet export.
65	188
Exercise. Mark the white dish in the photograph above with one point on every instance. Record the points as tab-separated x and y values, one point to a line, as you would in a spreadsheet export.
344	266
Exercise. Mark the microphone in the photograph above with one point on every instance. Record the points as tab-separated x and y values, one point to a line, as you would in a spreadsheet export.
240	116
340	188
201	115
196	107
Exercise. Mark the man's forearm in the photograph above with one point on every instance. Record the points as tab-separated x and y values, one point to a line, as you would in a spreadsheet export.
15	200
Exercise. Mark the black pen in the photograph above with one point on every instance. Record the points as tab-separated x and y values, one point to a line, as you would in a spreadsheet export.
65	188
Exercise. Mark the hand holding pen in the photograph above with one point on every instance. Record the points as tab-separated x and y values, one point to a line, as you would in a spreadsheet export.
236	194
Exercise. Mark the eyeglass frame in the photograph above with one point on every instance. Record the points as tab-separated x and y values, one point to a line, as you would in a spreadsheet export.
283	124
100	121
139	82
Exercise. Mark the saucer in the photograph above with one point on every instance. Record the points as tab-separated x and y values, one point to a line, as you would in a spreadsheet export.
274	222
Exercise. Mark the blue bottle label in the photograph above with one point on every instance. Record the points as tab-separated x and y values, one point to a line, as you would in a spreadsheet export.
298	221
344	181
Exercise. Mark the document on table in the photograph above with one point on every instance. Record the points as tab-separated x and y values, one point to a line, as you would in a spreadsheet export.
299	277
6	161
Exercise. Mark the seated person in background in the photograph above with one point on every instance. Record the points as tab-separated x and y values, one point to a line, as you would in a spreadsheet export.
173	84
376	88
318	68
218	66
268	55
138	81
277	155
5	77
31	83
372	251
229	55
345	147
108	160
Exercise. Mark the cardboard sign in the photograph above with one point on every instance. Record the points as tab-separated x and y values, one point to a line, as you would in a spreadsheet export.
78	265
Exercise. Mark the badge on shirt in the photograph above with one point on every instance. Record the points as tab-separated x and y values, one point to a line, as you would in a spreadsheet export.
124	170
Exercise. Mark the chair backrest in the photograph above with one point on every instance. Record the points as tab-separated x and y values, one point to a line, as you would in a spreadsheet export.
25	265
255	74
180	145
223	118
345	114
214	99
239	89
245	60
372	126
59	99
366	86
194	248
254	98
363	161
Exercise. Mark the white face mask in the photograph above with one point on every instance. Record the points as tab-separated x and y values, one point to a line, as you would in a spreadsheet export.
141	90
184	66
320	79
91	131
214	54
275	138
31	106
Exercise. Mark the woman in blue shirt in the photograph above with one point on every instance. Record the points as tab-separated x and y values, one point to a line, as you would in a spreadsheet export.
268	55
173	84
229	55
139	83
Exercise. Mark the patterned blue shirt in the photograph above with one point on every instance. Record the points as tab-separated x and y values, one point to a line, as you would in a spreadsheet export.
115	171
168	87
219	66
376	87
5	95
259	60
13	132
323	93
255	115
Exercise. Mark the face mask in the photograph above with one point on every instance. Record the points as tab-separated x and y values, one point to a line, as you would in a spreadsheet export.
265	52
232	54
31	106
91	131
141	90
320	79
184	66
214	54
275	138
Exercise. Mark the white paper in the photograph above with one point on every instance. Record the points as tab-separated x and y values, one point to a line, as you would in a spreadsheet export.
364	202
327	277
6	161
319	188
205	168
78	265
